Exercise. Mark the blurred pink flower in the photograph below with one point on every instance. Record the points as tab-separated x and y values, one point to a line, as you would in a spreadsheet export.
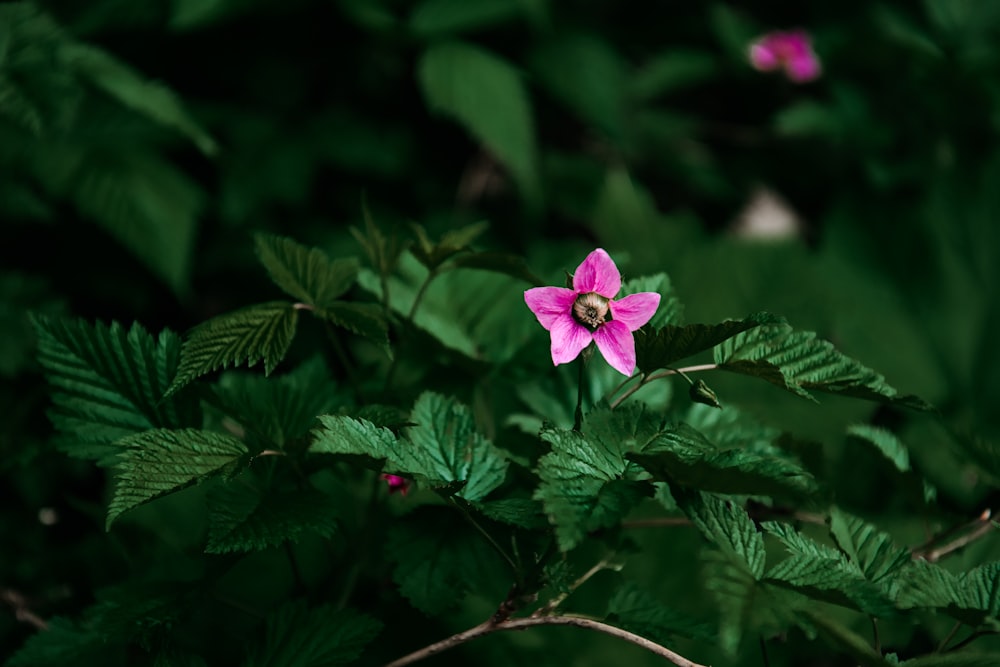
397	483
790	50
588	312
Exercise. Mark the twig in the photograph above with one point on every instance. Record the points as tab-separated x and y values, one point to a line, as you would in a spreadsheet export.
489	538
947	638
656	376
971	638
757	512
22	612
550	606
981	525
489	627
876	640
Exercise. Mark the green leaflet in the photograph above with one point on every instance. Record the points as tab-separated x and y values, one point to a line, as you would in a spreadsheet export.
866	546
633	608
296	636
670	310
798	361
970	597
304	273
109	383
277	410
661	347
249	335
161	461
454	241
243	518
885	441
364	319
955	660
682	455
437	558
728	527
584	485
486	95
823	573
432	18
441	449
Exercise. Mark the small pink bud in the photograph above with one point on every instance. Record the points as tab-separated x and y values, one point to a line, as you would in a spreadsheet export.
791	51
397	483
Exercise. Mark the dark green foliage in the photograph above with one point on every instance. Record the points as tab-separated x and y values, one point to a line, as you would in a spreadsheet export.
661	347
306	274
296	636
636	610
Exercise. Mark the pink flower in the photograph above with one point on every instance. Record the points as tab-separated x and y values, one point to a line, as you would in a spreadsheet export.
588	312
790	50
397	483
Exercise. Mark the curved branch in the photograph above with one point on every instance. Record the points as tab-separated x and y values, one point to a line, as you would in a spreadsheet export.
489	626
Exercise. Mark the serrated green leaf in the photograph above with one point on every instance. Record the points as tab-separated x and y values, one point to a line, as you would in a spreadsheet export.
955	660
727	526
364	319
520	512
449	448
633	608
682	455
798	361
733	587
486	95
583	486
970	597
865	545
885	441
660	348
442	449
296	636
438	558
249	335
108	383
243	518
278	410
304	273
157	462
498	262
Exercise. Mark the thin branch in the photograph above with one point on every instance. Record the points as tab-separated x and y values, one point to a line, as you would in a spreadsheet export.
656	376
550	606
22	611
489	538
657	522
980	527
489	627
756	511
971	638
947	638
876	640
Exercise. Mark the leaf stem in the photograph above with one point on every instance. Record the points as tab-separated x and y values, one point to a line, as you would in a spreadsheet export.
489	538
551	605
971	638
948	637
578	415
490	626
980	526
661	374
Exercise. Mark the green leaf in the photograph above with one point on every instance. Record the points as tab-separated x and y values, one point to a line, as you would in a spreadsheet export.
296	636
432	255
449	448
728	527
865	545
441	449
364	319
486	95
439	17
661	347
844	638
682	455
304	273
438	558
278	410
108	383
65	642
885	441
798	361
669	71
733	588
583	486
633	608
971	597
520	512
249	335
498	262
670	310
955	660
243	518
157	462
149	98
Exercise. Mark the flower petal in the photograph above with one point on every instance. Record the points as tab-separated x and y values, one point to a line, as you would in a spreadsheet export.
803	68
617	344
763	56
598	273
550	303
635	310
569	337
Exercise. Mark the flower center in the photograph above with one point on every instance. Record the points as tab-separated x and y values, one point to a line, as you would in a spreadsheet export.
591	310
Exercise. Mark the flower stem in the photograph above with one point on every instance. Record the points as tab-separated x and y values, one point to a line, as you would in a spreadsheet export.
578	415
490	626
662	374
